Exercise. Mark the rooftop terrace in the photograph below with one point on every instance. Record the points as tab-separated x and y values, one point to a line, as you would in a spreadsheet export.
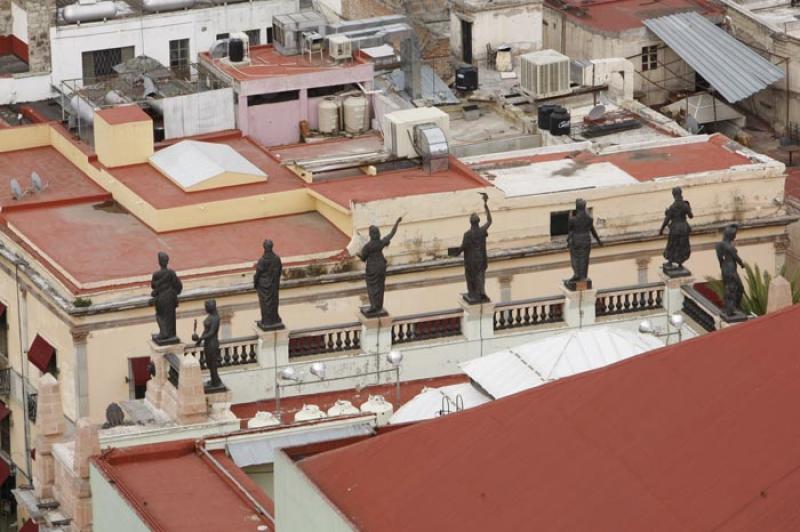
624	15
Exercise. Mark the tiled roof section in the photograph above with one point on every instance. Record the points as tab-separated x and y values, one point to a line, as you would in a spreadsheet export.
174	487
127	248
700	435
645	164
123	114
622	15
266	62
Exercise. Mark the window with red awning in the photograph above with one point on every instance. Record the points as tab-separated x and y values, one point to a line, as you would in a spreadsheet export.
41	354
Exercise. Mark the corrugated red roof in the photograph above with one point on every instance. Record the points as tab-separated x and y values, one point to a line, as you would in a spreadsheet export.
702	435
174	487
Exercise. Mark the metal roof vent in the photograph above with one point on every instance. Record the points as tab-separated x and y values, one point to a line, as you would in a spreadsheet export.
431	144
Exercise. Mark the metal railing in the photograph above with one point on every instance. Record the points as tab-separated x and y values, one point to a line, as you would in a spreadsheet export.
426	326
615	301
528	313
700	309
239	351
323	340
5	382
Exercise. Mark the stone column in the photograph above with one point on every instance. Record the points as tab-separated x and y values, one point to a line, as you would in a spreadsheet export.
673	295
81	373
5	17
779	295
579	307
642	267
49	430
157	384
190	396
781	245
505	287
87	445
477	325
273	347
376	334
41	16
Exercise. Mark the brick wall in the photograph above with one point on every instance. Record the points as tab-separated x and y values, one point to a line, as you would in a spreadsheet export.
41	16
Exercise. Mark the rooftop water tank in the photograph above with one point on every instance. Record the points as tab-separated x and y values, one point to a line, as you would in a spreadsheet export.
342	408
309	413
153	6
355	114
263	419
328	111
560	122
379	406
236	50
84	12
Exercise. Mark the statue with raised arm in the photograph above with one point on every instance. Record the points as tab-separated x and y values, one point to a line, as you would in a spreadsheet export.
372	254
210	342
473	246
267	282
678	248
729	262
579	242
166	287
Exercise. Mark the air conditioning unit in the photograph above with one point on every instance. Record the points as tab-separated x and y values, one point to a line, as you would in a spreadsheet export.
545	74
312	41
340	47
398	131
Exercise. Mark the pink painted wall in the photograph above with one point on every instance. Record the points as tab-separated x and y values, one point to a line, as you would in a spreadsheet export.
274	124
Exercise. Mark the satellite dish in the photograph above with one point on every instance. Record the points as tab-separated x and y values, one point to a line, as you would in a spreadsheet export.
16	190
36	182
597	112
692	126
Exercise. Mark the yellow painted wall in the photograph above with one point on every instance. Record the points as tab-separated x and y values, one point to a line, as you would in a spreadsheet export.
24	137
123	144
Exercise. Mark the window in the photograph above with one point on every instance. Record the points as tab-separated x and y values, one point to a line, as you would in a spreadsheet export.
3	336
221	36
179	57
139	374
5	428
269	35
273	97
330	90
559	223
101	63
254	36
649	57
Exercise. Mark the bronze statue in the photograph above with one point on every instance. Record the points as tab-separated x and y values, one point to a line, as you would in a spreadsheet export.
728	261
579	242
267	282
166	288
678	248
372	254
476	262
210	341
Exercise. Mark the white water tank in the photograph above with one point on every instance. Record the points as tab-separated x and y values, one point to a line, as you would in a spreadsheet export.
262	419
82	108
355	114
379	406
88	11
309	413
328	111
154	6
342	408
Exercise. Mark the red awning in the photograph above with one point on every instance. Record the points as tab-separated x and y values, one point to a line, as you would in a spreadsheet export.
4	411
29	526
140	367
2	309
40	352
5	471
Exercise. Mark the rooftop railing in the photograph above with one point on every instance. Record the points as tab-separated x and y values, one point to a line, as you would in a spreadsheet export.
407	329
323	340
233	352
613	301
528	313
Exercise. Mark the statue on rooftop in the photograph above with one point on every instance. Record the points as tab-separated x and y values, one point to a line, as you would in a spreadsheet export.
579	242
678	248
166	288
473	245
372	254
210	341
728	262
267	282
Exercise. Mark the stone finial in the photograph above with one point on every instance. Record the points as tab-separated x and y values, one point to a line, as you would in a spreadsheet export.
779	295
87	444
49	413
191	394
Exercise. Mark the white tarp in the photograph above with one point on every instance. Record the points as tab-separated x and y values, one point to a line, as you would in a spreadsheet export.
561	355
198	113
434	402
557	176
190	162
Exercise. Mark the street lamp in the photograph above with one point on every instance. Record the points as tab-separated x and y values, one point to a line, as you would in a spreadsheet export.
675	321
395	358
318	370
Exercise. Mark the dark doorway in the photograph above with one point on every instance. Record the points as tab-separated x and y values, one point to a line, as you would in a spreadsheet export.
466	41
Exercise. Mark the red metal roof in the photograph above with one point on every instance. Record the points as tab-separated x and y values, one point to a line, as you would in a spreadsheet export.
702	435
621	15
174	487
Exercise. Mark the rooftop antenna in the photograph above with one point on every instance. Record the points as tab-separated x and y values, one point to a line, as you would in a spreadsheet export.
597	112
36	183
16	190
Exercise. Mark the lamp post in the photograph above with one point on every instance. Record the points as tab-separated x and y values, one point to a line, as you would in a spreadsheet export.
675	321
395	358
288	374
